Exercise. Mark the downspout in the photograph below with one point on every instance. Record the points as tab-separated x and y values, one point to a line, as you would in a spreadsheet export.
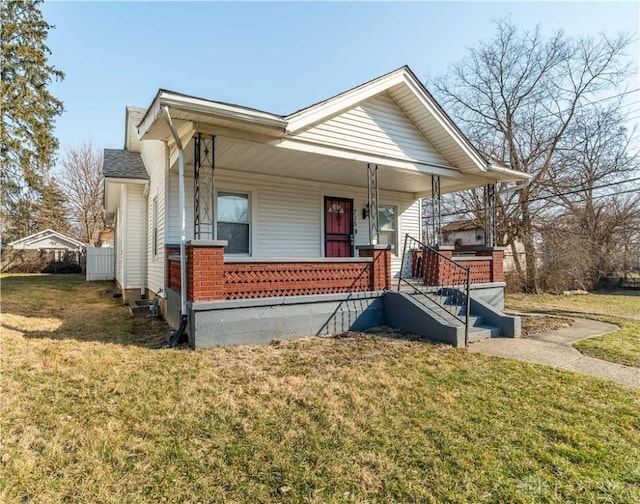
176	336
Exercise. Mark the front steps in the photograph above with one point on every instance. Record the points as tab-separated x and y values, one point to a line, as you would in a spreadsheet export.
437	317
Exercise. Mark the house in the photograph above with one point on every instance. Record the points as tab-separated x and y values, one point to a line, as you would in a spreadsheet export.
43	251
49	241
463	233
251	226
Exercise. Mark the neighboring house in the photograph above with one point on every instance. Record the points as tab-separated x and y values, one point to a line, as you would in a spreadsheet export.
49	241
42	251
468	234
510	257
281	232
463	233
106	238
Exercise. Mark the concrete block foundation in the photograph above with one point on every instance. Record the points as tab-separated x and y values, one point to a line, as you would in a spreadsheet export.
259	321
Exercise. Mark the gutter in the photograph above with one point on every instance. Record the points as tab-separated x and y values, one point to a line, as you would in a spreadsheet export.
176	336
214	109
520	175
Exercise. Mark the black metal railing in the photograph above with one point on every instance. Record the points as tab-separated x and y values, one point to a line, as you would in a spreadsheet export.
437	277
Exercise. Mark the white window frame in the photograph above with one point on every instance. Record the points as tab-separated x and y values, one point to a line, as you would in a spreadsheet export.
249	195
396	227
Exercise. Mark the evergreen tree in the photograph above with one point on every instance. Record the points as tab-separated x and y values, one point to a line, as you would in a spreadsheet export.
50	211
27	145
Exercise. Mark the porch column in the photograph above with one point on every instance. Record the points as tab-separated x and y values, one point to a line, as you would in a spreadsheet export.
204	186
490	215
380	278
436	209
205	270
497	262
372	184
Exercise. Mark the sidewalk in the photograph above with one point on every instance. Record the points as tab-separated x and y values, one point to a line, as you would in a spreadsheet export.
553	348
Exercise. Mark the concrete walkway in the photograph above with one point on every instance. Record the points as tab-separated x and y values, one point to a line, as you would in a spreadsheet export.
553	348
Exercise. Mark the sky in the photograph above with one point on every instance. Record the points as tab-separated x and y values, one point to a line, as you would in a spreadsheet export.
277	57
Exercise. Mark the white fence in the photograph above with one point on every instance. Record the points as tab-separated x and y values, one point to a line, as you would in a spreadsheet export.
100	263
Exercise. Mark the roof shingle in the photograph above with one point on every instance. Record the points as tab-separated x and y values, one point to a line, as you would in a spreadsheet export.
135	114
120	163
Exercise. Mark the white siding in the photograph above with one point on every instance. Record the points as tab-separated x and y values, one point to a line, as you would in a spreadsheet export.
155	161
119	240
376	126
132	142
288	214
132	236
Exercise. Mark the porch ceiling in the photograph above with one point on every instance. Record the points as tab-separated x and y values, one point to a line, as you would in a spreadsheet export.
250	157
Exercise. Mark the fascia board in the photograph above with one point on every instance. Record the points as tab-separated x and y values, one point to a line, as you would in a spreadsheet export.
504	174
444	122
125	180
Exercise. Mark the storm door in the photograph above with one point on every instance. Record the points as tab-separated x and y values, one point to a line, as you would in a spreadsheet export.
338	227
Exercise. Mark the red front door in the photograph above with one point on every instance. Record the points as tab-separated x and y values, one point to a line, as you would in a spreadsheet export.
338	227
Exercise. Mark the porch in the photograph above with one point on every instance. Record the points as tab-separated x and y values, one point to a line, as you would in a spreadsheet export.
236	300
213	277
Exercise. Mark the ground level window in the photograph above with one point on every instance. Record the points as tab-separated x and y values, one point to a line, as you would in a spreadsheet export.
387	226
233	223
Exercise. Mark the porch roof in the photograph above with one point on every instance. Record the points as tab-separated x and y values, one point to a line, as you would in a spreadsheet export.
275	144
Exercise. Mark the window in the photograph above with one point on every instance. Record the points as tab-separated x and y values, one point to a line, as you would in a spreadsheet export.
387	226
154	236
233	222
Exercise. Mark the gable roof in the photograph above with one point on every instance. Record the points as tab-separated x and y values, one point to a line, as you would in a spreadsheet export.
59	238
120	163
401	86
406	90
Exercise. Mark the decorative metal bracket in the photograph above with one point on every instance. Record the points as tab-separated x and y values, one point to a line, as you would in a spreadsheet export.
372	177
490	215
436	209
204	186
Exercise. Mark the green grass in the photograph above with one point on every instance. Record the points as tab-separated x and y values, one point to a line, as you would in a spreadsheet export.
622	347
623	309
99	417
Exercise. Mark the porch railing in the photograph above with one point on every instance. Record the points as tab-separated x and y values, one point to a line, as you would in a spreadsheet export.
438	278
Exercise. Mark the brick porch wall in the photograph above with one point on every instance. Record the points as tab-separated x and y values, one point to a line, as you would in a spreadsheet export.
255	280
485	267
210	278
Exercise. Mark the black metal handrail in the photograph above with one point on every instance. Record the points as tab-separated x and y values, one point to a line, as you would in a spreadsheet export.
437	277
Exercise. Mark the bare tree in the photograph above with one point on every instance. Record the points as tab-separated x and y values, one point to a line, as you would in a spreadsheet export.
594	181
83	182
517	95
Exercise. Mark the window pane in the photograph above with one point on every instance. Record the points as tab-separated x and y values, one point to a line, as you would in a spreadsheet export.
387	238
233	208
237	236
386	218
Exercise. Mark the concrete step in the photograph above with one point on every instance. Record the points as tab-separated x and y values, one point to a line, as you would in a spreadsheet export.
482	332
443	308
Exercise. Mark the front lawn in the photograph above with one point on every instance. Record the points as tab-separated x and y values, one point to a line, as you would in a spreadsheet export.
623	309
100	417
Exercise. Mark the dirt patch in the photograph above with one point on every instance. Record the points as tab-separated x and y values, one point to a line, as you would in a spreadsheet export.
538	324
